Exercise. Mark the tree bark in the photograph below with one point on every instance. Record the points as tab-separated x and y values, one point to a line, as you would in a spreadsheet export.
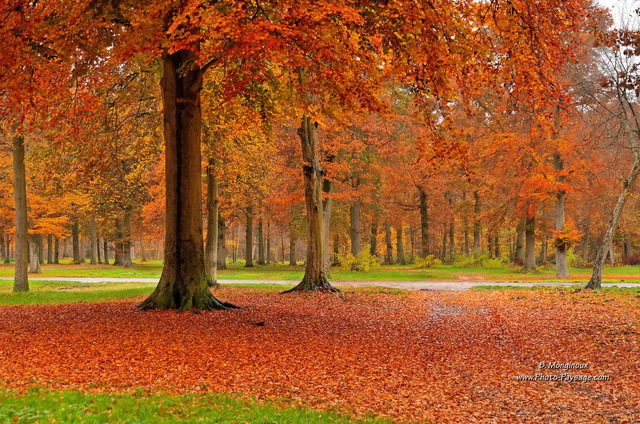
373	241
327	205
477	227
49	248
105	246
183	284
520	250
119	247
249	238
292	250
56	251
211	245
355	231
596	277
34	262
315	277
93	241
562	267
261	257
387	237
20	281
126	242
399	246
222	245
39	238
424	223
530	243
75	235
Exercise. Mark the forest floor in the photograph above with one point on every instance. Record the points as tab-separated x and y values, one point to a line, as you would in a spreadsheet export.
507	356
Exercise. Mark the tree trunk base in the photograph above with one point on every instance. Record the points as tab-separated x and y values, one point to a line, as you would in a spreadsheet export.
321	285
168	296
593	285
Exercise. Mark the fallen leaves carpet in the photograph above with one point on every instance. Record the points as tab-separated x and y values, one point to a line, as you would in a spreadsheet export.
441	357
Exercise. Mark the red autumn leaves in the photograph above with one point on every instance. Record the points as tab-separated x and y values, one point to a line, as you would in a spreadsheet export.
435	356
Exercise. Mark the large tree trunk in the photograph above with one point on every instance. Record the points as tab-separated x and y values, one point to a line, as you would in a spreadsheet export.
249	238
222	245
183	284
20	281
355	230
211	245
424	223
530	243
596	277
94	242
477	228
315	277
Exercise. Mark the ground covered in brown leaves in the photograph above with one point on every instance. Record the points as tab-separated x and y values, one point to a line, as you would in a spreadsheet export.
444	357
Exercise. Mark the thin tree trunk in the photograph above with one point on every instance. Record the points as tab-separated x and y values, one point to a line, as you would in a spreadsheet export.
452	240
292	249
261	256
477	228
39	239
424	223
34	263
143	253
530	243
562	267
98	250
373	241
75	235
444	241
249	238
327	205
596	277
222	245
355	231
126	242
56	251
211	245
520	240
387	236
20	281
119	247
399	246
94	242
105	246
49	248
183	284
315	275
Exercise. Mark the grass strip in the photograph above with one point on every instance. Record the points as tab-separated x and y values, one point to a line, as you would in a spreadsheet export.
49	406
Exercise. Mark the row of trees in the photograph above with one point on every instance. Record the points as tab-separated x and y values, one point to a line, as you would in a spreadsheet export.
463	122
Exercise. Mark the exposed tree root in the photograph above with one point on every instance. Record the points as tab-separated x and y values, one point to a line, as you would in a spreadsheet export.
201	300
593	284
322	286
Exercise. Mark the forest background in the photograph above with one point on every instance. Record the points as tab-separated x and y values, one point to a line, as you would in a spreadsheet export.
471	133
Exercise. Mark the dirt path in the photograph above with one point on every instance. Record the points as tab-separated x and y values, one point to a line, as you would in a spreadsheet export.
406	285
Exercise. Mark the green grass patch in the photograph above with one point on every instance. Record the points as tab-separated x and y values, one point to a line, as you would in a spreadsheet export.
48	406
487	288
53	292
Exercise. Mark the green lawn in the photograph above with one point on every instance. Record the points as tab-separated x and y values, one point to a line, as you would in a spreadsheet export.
237	271
49	406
